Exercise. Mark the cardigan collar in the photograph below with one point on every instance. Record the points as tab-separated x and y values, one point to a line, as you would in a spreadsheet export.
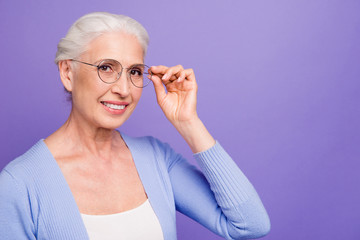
61	194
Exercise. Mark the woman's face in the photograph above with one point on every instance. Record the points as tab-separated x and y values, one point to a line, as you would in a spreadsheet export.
100	104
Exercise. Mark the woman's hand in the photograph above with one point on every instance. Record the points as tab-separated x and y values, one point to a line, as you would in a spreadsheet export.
176	93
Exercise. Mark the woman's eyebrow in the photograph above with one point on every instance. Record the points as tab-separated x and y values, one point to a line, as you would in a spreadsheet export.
97	62
136	64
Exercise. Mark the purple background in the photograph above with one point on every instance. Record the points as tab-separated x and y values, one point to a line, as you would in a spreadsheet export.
278	87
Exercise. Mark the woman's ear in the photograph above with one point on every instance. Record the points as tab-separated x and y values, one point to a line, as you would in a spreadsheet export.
66	74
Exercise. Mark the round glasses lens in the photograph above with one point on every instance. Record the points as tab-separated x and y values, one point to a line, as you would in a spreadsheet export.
109	70
139	75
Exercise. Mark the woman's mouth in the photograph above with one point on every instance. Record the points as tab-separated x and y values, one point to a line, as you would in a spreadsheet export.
115	107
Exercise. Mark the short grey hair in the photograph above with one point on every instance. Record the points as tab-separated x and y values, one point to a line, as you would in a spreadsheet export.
91	26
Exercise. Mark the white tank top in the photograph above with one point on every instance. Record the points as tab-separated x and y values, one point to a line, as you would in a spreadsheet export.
138	223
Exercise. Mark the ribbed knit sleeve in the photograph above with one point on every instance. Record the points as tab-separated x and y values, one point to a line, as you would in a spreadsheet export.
15	217
224	176
220	197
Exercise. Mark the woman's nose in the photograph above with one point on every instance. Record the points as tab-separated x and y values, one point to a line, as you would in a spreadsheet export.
122	85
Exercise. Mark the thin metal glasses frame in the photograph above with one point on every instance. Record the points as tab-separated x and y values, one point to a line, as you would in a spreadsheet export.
119	73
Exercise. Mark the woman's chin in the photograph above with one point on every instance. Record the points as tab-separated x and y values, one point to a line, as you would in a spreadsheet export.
111	124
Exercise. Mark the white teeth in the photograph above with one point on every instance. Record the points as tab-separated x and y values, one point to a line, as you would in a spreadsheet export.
114	106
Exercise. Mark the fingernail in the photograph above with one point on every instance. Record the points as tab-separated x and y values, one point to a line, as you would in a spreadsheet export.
165	76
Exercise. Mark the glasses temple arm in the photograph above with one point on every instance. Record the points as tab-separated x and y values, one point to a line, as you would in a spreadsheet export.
84	63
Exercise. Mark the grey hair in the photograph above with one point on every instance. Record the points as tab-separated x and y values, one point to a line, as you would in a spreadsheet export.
91	26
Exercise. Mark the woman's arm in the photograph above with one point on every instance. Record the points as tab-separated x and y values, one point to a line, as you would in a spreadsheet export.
178	103
15	215
221	198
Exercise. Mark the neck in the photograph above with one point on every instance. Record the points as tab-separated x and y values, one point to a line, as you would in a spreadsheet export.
78	136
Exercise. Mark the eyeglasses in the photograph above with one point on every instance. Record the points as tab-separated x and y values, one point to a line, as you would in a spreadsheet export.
109	71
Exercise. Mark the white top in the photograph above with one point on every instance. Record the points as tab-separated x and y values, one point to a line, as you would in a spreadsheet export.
138	223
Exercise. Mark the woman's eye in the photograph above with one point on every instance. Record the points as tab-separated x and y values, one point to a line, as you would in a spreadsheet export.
136	72
105	68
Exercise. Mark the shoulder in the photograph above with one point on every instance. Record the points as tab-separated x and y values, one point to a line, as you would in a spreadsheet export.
18	184
29	165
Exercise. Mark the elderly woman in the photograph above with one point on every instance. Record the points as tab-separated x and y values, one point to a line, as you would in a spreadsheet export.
87	180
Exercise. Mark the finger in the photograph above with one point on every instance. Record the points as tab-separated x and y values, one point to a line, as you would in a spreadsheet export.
190	75
182	76
173	73
158	86
167	73
159	70
187	74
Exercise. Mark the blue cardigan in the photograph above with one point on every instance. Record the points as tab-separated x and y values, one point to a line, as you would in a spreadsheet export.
36	201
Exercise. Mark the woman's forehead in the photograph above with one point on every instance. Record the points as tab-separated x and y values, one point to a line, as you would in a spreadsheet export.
124	48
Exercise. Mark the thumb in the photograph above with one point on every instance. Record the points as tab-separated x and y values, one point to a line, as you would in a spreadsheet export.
158	86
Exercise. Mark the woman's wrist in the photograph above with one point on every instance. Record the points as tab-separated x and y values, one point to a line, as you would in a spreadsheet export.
196	135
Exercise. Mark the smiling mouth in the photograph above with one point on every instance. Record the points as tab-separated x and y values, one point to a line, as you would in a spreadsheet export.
113	106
